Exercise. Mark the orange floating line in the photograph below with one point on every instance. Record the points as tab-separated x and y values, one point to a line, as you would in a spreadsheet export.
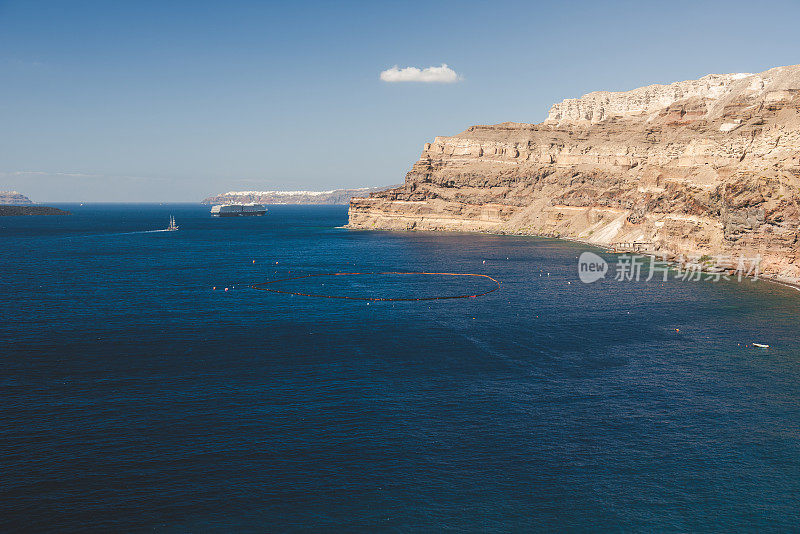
374	299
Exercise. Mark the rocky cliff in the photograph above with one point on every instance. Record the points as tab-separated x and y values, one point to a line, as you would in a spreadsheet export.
12	198
701	167
337	196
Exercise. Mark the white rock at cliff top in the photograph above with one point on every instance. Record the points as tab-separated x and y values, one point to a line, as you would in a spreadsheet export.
602	106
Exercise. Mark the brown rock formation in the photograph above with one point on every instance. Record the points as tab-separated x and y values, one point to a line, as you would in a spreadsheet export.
703	167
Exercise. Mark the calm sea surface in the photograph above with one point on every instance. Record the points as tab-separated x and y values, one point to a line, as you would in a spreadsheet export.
137	398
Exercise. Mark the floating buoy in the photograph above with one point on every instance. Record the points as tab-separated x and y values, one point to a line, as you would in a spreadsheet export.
254	261
226	289
214	288
677	329
484	261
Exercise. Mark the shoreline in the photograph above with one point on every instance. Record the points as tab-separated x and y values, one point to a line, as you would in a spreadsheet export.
605	248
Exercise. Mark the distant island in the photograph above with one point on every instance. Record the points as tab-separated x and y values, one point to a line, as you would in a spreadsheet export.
336	196
15	203
14	198
6	211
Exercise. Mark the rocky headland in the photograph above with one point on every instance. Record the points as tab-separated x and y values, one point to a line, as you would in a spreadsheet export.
14	203
336	196
8	211
707	167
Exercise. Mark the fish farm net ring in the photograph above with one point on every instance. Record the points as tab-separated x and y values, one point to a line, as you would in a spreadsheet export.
262	286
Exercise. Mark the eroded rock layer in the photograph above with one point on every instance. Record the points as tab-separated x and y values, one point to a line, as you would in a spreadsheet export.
703	167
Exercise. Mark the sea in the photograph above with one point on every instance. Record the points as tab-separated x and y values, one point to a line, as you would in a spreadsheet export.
147	386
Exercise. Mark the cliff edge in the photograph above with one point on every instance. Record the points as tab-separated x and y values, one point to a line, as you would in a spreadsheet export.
693	168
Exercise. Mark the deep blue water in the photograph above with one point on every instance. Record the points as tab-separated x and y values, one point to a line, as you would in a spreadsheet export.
136	398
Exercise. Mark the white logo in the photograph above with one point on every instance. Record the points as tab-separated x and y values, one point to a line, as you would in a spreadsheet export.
591	267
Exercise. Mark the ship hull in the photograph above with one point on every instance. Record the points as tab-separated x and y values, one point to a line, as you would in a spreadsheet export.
238	210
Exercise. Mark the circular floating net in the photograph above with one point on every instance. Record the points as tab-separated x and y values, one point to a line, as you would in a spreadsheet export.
351	294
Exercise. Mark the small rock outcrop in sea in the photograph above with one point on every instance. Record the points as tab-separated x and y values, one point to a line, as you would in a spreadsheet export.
701	167
13	198
337	196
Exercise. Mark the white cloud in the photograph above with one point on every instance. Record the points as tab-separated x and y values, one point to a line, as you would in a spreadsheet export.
42	173
442	74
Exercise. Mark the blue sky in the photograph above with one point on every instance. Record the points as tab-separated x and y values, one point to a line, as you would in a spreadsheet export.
172	101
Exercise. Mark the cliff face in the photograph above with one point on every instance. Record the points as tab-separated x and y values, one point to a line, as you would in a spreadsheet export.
702	167
338	196
12	198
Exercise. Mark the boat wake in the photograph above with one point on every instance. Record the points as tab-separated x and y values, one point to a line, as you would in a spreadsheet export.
141	232
171	228
119	233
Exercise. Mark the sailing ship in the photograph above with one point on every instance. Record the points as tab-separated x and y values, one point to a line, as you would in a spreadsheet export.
172	226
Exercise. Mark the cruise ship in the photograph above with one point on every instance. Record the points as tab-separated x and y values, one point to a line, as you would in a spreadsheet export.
238	210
